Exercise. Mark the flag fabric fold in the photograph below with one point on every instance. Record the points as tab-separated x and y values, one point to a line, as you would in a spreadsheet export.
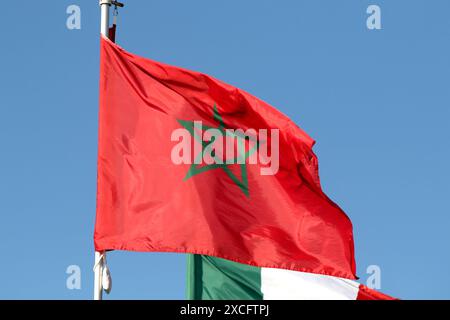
146	201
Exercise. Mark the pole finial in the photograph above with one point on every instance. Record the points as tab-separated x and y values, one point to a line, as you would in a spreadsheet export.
102	2
111	2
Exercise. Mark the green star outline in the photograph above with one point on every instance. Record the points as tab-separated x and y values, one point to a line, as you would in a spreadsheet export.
195	169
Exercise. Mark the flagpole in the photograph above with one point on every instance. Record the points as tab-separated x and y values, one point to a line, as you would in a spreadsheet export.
98	262
104	24
98	270
100	257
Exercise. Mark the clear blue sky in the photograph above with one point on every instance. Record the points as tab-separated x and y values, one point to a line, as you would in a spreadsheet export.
377	102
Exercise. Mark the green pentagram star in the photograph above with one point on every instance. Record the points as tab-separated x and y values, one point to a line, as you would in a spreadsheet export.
240	158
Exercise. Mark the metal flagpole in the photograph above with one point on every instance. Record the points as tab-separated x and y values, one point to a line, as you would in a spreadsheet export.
104	8
98	264
100	257
98	271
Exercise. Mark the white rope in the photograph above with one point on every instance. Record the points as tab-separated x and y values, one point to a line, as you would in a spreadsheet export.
97	264
106	280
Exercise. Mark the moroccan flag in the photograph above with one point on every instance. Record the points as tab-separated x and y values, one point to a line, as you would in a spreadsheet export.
187	163
211	278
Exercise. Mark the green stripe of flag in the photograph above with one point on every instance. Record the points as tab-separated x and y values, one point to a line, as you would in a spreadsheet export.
210	278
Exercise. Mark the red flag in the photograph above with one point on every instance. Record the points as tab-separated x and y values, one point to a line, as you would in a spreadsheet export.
241	194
